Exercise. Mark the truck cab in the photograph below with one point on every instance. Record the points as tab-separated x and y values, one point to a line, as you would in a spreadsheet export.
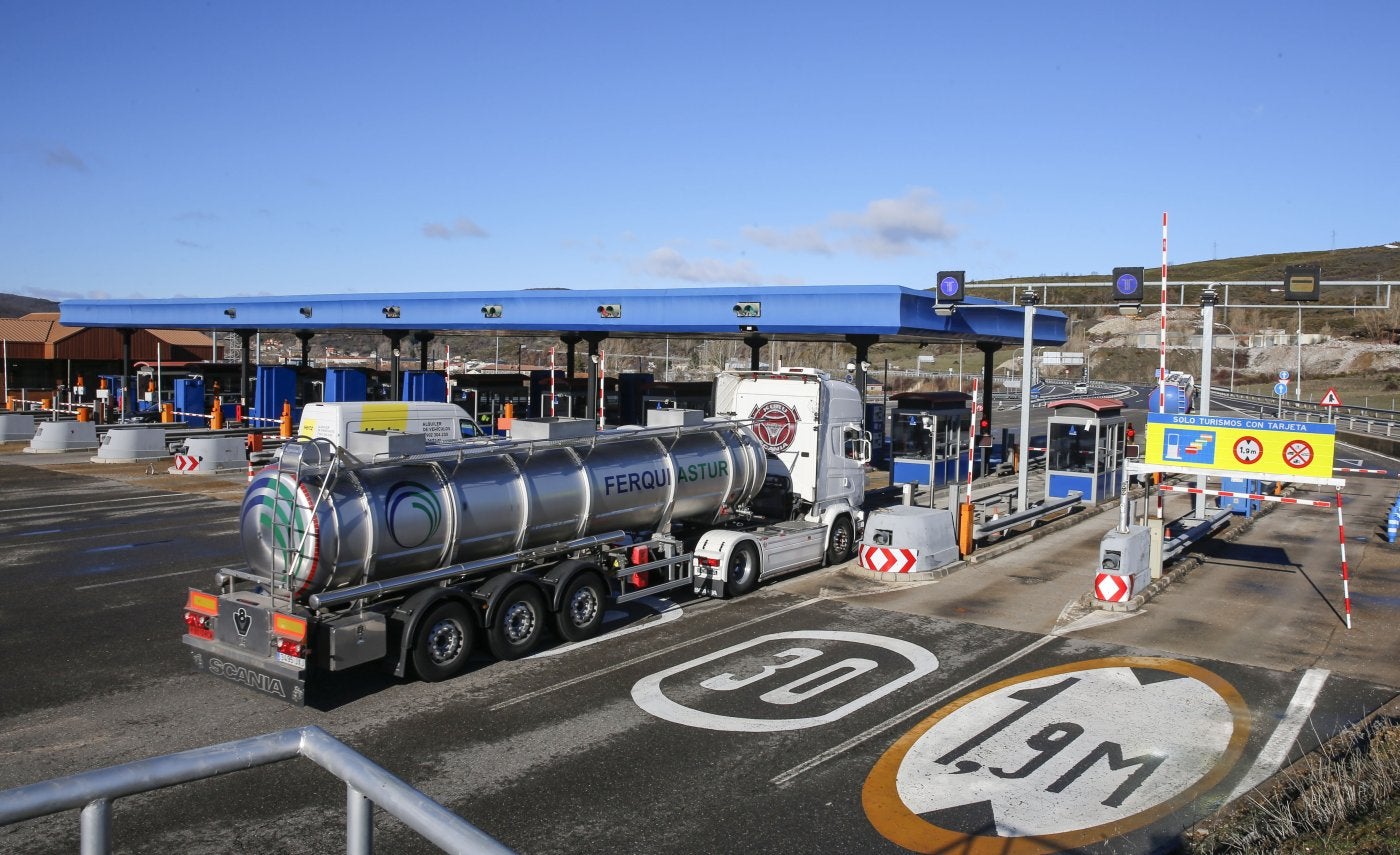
812	429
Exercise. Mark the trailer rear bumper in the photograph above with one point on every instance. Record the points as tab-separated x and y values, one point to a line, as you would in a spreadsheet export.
262	675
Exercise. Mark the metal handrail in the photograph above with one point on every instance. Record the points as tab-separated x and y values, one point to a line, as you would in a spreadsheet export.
94	791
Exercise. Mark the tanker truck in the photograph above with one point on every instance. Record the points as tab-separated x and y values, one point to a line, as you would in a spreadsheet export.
410	555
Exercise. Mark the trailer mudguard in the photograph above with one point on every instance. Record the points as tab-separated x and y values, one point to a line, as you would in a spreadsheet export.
408	614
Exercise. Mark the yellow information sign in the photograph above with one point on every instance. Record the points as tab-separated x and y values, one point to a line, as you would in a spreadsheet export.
1265	447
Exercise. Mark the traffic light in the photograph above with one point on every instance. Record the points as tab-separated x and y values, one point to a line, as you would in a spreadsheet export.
610	310
1302	282
1127	284
950	286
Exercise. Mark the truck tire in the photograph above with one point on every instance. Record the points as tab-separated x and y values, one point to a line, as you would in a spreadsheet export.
741	574
444	643
580	615
519	622
842	544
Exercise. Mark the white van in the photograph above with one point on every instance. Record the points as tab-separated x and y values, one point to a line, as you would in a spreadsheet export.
440	422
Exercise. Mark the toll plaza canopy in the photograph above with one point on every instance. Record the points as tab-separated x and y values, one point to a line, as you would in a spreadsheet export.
825	313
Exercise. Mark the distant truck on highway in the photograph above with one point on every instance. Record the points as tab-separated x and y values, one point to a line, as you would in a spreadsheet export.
409	560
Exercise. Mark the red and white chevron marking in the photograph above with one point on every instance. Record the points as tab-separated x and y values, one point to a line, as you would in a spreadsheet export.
1171	488
1113	588
186	463
885	559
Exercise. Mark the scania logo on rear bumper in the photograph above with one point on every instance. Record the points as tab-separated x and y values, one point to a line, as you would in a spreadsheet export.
235	673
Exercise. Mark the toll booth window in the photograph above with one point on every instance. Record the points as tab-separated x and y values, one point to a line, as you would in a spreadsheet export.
1072	447
908	436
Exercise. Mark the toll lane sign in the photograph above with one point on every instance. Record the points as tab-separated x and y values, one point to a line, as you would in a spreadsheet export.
1265	446
1058	759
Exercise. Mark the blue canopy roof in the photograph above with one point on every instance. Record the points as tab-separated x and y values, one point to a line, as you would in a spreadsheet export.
825	313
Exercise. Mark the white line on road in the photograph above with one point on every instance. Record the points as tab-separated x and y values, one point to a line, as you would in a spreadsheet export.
64	505
148	578
652	655
1275	751
787	777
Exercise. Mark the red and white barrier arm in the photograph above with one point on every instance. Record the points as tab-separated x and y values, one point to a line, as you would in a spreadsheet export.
1313	503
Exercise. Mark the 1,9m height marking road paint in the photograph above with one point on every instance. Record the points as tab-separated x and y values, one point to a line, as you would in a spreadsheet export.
1064	757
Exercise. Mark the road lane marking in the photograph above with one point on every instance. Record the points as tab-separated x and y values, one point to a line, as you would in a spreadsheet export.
149	578
1275	751
664	610
161	496
787	777
564	684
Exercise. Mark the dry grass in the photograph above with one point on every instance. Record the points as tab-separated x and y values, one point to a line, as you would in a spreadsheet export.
1343	798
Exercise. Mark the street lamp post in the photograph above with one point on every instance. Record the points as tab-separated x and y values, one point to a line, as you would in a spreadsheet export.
1234	343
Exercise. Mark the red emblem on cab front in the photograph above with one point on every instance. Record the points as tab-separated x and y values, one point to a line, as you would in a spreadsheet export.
775	425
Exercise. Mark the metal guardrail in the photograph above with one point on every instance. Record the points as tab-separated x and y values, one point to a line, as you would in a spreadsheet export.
1367	420
95	791
1030	515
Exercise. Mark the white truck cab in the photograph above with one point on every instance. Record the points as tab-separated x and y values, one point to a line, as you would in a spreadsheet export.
813	431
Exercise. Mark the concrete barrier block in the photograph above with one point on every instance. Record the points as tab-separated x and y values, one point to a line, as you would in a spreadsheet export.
16	426
131	444
55	437
211	455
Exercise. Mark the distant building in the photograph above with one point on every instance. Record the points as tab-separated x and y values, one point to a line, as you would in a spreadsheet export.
41	354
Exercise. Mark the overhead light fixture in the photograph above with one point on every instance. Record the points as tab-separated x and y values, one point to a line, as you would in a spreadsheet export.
231	312
748	328
492	311
748	309
942	310
305	311
390	311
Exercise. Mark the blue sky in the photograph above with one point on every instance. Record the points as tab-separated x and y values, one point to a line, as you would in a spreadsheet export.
187	149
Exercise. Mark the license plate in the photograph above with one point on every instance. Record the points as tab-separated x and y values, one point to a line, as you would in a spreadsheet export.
290	660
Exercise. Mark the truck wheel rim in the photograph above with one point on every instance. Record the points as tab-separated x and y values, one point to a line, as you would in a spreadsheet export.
518	622
841	540
583	606
444	641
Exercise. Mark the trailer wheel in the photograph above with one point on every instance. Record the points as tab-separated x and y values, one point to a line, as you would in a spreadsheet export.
741	574
580	615
518	624
843	540
444	643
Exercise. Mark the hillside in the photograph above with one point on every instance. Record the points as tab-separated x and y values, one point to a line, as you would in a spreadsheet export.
14	305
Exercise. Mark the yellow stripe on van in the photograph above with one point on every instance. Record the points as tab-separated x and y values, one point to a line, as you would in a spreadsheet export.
385	415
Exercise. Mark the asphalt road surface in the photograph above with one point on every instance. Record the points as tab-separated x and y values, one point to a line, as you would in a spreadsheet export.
828	712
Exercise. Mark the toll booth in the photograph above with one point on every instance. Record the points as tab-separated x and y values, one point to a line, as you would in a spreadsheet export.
346	384
189	401
929	437
424	386
1240	504
1085	438
681	395
875	424
551	397
276	384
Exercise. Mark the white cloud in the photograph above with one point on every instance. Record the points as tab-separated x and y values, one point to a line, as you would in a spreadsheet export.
801	239
887	227
667	263
463	227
